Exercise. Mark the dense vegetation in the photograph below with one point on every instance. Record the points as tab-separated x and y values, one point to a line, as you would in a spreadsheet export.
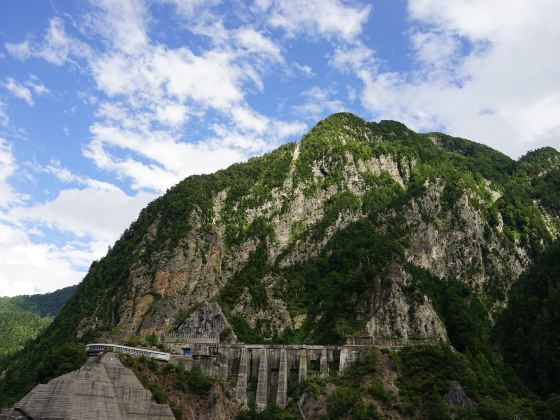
17	326
529	329
519	202
174	385
22	318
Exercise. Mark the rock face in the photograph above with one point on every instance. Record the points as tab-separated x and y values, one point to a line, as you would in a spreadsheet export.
101	389
390	314
456	396
208	322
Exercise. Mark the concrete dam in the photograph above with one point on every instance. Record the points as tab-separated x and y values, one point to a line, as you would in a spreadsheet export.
264	373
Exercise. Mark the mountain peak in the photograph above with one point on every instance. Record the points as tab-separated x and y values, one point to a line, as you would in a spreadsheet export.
540	161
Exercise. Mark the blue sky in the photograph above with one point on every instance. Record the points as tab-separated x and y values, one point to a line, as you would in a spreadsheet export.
106	104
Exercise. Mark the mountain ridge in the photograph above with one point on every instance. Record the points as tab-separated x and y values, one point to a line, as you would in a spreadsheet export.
359	229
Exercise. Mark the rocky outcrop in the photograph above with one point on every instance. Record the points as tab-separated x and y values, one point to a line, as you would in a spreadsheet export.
101	389
453	240
457	397
389	313
207	321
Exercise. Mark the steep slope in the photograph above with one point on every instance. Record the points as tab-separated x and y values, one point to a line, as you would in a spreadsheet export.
352	231
529	329
22	318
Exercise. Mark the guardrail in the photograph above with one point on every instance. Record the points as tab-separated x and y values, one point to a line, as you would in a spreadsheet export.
191	339
390	342
134	351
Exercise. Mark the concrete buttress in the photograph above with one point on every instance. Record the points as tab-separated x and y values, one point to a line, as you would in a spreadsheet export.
282	390
241	387
262	383
323	363
302	365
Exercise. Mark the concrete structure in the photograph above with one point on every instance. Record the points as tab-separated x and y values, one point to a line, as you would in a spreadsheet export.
258	373
98	348
102	389
262	373
262	384
241	384
282	390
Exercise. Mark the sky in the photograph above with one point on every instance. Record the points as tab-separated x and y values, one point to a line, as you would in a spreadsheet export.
106	104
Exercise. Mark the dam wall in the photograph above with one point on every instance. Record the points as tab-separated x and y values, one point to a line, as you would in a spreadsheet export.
264	374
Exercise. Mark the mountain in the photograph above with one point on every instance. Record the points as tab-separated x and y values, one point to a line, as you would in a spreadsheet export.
360	229
22	318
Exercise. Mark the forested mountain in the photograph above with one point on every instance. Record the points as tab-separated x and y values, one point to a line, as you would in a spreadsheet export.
23	317
360	229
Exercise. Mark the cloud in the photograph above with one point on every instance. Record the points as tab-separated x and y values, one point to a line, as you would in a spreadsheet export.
154	92
255	42
318	103
26	90
26	267
8	196
58	46
29	268
485	71
435	49
354	57
91	216
121	23
191	8
317	18
98	212
4	119
19	91
21	50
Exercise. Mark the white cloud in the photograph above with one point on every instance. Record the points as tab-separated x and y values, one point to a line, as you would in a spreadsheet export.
25	267
325	18
255	42
318	103
58	46
191	8
480	20
94	215
169	161
4	119
352	57
8	195
25	91
121	23
36	86
19	91
99	212
29	268
435	49
304	69
505	91
21	50
156	90
171	114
